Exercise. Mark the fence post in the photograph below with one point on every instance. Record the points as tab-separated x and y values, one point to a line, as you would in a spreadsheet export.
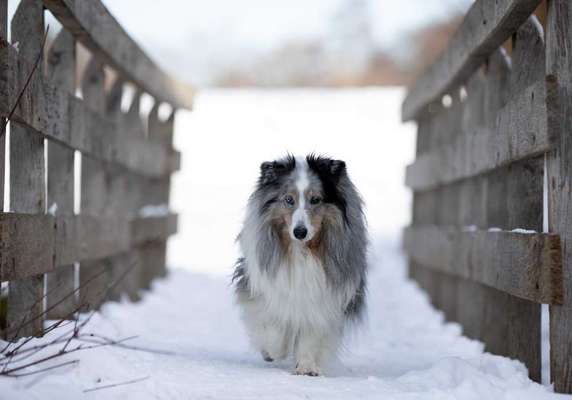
117	190
134	131
61	67
154	252
25	298
3	37
93	187
559	163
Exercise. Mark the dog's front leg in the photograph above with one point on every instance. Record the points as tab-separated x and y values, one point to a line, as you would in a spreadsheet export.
308	353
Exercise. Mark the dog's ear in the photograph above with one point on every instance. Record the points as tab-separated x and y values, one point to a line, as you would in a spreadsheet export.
267	172
271	171
337	167
327	168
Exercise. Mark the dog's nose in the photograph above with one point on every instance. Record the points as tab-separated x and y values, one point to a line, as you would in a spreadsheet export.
300	232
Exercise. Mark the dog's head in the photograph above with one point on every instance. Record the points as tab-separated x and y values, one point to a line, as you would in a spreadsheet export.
301	195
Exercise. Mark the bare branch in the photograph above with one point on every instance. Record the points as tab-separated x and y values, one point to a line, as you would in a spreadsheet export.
117	384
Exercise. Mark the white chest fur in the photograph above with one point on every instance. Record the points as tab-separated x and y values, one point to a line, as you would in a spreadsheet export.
298	295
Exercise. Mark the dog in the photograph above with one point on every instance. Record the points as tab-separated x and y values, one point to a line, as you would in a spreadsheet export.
301	280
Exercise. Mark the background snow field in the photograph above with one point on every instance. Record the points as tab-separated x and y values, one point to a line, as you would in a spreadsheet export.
190	342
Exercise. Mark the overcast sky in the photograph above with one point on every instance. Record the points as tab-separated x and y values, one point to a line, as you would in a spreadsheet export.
190	36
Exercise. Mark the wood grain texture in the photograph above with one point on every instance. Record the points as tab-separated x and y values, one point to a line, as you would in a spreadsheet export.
97	29
153	228
27	194
519	132
3	39
157	192
61	68
507	197
525	265
559	164
487	25
3	20
27	245
94	189
62	117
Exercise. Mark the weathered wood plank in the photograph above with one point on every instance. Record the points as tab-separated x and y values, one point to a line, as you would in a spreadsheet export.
94	188
98	30
436	126
116	193
519	129
27	245
157	192
3	20
486	26
520	132
3	38
559	164
153	228
508	197
62	117
61	67
27	192
522	264
509	325
35	244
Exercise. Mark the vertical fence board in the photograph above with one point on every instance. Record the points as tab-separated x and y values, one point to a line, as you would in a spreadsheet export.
4	20
524	197
507	198
136	188
27	175
93	190
61	64
423	207
117	196
559	162
3	36
154	252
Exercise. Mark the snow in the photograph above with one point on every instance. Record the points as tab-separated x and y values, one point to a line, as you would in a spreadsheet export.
190	343
197	349
151	210
524	231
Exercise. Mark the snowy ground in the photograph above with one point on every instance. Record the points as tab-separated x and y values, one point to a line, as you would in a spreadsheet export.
190	343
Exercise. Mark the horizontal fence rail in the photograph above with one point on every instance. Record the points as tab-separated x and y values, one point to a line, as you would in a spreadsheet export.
35	244
520	132
487	25
524	264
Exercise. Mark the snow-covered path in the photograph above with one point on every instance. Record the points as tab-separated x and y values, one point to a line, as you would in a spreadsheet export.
200	351
190	339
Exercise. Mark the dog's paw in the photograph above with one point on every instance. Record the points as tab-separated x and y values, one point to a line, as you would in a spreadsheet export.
265	356
307	369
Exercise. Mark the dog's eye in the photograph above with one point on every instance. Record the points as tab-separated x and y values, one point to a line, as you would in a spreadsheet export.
289	200
315	200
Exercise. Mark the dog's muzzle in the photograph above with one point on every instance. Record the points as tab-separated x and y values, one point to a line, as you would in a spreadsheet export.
300	232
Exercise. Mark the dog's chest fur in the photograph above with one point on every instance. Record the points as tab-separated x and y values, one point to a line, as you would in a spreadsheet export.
298	295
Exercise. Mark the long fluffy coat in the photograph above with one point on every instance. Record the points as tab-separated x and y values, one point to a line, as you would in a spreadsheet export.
297	294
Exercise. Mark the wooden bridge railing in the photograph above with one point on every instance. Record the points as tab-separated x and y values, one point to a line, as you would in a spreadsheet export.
74	258
494	161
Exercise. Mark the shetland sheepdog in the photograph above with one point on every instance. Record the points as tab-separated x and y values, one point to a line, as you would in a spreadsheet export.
301	280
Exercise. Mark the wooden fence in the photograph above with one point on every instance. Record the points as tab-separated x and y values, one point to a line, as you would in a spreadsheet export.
55	259
494	156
